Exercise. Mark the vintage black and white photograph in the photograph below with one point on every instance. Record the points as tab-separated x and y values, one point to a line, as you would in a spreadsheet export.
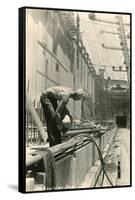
77	123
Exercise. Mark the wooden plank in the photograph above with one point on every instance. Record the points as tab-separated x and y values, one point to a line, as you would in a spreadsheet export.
36	118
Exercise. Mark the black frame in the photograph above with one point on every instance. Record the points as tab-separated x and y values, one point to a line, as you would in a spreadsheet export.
22	96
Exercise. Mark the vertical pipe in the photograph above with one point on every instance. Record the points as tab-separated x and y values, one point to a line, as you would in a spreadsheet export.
119	170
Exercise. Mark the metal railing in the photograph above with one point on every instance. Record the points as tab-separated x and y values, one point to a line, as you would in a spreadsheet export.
32	134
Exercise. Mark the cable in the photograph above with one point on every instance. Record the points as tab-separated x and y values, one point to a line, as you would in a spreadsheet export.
101	159
102	179
98	178
91	138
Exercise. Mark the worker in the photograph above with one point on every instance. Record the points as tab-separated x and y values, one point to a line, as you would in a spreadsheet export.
54	101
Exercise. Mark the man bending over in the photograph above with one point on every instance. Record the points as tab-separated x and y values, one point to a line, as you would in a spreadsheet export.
54	101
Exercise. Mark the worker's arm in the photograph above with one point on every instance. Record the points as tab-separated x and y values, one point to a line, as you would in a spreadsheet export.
71	119
61	106
57	113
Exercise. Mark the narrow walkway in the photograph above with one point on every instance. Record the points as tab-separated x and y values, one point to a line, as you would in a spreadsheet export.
119	151
124	157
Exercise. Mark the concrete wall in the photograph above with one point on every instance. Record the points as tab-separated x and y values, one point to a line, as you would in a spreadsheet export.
72	169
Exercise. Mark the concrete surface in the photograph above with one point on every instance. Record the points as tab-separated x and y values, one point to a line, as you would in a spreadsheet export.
119	151
124	137
91	176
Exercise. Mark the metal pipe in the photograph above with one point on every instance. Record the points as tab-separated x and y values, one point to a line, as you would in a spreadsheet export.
82	128
60	147
55	149
74	132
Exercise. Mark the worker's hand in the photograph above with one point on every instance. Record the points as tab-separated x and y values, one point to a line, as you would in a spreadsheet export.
66	122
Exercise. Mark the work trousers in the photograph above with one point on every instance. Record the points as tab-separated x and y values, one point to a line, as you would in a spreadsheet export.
49	106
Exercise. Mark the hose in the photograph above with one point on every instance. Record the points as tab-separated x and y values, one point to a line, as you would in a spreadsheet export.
91	138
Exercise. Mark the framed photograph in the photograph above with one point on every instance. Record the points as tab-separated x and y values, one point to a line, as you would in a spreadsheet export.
74	99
